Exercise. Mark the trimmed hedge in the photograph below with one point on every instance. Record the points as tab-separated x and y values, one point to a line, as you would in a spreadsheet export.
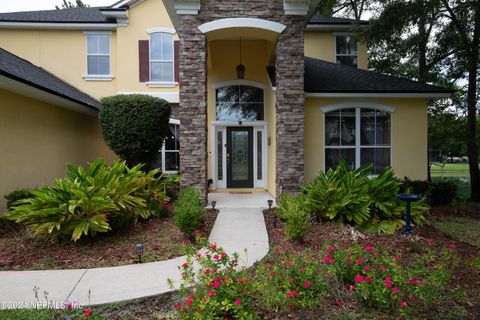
134	126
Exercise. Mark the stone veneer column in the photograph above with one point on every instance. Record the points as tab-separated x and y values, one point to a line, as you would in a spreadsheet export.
193	104
290	106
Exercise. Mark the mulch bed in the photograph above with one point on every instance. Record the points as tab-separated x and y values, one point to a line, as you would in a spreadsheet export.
161	238
409	249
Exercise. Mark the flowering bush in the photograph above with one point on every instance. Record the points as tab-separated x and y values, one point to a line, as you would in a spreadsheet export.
212	287
285	281
382	280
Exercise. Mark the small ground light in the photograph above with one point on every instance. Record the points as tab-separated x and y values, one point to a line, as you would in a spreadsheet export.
139	251
214	203
274	217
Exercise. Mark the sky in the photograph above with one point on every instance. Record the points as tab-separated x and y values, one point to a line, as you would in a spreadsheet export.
32	5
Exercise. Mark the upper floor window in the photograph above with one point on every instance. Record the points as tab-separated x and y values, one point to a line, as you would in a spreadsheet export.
239	103
347	50
98	54
161	57
360	136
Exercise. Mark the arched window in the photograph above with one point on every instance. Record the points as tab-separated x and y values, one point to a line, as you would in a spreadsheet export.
161	57
239	103
360	136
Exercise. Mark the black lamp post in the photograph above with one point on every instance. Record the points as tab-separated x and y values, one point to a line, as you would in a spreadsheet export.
139	251
274	217
214	203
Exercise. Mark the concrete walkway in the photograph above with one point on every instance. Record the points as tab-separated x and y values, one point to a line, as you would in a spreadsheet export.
235	229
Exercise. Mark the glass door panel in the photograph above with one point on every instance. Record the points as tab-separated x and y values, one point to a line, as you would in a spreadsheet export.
240	157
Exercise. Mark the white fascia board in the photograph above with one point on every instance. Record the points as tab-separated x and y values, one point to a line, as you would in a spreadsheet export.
64	26
187	7
296	7
313	27
376	95
115	14
24	89
242	23
172	97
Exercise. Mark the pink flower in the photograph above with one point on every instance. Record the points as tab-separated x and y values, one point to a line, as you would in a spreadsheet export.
384	269
339	303
216	285
358	262
331	248
237	302
207	271
211	294
369	248
397	258
216	257
388	282
273	273
199	255
302	270
188	302
184	266
186	242
351	288
358	278
452	246
331	261
278	251
412	281
306	285
197	231
366	268
403	304
86	313
292	293
178	306
368	279
213	247
289	263
395	289
348	259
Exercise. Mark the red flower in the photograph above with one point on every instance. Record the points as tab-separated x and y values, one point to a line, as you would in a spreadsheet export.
239	281
403	304
273	273
178	306
368	279
188	302
278	251
351	288
245	280
358	278
199	255
302	270
292	293
429	240
339	303
199	310
192	296
184	266
452	246
197	231
331	261
213	247
366	268
237	302
211	294
369	248
397	258
412	281
186	242
384	269
331	248
289	263
216	257
207	271
358	262
86	313
69	305
348	259
216	284
306	285
388	282
395	289
218	278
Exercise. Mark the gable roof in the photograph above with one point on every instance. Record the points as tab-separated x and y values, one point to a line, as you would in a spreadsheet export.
20	70
76	15
317	19
327	77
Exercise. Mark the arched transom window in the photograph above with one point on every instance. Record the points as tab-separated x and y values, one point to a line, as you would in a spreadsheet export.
360	136
239	103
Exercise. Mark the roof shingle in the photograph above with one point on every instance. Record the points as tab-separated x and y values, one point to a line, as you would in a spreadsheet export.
334	20
21	70
76	15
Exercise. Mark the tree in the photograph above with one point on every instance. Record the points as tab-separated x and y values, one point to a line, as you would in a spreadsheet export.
67	4
134	126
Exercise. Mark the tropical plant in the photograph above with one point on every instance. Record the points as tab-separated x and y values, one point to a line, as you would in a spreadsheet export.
188	210
16	195
88	202
352	196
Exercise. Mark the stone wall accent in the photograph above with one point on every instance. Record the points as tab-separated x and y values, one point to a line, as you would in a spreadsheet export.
193	105
290	106
193	89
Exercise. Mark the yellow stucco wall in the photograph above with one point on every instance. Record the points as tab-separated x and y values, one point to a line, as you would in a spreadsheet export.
409	135
223	60
63	52
321	45
38	139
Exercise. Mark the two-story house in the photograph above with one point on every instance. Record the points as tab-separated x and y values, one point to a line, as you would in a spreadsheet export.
264	94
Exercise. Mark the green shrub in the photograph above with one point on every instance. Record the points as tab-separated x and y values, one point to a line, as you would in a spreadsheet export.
16	195
344	195
134	126
292	210
87	202
442	193
188	210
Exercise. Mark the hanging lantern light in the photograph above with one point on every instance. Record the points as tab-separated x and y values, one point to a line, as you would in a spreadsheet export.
240	67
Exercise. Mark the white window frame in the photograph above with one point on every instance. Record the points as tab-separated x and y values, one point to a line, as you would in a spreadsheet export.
156	83
343	34
358	106
164	151
98	77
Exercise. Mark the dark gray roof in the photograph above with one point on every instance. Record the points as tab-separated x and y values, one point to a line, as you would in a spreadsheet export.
77	15
21	70
333	20
323	76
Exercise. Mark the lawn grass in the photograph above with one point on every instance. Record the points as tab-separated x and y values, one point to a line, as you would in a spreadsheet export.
459	228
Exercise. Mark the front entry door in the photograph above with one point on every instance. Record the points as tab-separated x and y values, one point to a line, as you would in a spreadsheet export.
240	157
